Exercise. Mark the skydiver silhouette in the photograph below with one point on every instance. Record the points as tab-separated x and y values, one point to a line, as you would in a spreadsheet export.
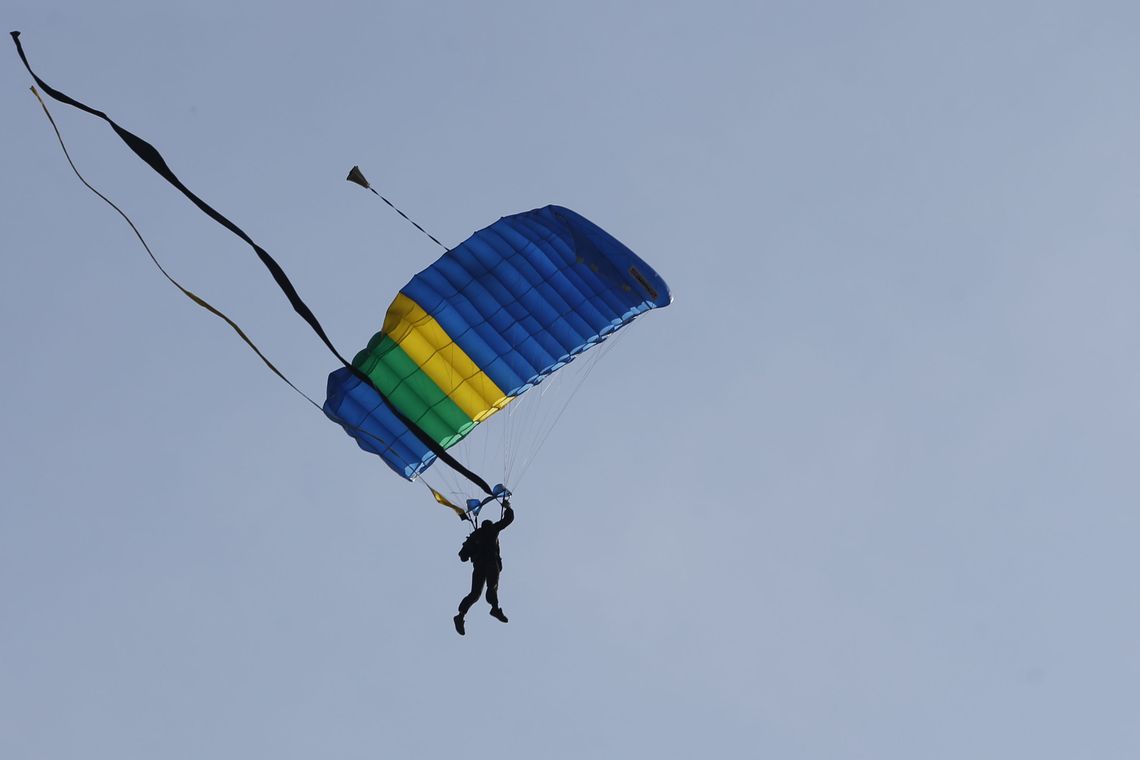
482	548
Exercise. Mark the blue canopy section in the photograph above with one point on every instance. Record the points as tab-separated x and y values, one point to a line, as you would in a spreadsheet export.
358	408
522	298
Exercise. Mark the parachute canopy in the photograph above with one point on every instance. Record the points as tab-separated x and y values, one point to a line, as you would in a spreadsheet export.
514	303
488	320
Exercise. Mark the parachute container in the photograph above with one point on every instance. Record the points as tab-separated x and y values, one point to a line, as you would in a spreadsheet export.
487	321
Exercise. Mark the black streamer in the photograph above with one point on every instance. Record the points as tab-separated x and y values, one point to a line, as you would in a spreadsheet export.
154	159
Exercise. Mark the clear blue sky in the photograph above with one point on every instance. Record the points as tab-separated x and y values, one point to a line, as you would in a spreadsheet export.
867	489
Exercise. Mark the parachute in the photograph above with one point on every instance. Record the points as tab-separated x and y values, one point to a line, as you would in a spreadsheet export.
497	315
488	320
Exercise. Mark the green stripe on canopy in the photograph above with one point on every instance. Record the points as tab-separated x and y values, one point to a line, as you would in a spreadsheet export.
412	392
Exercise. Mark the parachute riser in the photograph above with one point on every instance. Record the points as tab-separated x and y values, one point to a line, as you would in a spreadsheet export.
500	494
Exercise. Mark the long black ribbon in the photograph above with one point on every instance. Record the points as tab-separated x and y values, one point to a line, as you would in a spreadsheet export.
154	159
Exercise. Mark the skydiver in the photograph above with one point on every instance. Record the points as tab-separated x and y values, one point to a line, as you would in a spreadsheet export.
482	548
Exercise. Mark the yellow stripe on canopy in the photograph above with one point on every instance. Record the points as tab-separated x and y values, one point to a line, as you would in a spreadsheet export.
440	358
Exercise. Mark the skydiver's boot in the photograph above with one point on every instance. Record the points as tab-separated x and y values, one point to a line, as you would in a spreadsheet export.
497	613
458	620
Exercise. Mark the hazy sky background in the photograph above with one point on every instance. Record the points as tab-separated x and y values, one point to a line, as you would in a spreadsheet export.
867	489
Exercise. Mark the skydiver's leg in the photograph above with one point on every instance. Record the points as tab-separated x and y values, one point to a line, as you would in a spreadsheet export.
493	595
478	577
493	588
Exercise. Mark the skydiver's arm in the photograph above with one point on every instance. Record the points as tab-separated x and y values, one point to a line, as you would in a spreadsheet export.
508	518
